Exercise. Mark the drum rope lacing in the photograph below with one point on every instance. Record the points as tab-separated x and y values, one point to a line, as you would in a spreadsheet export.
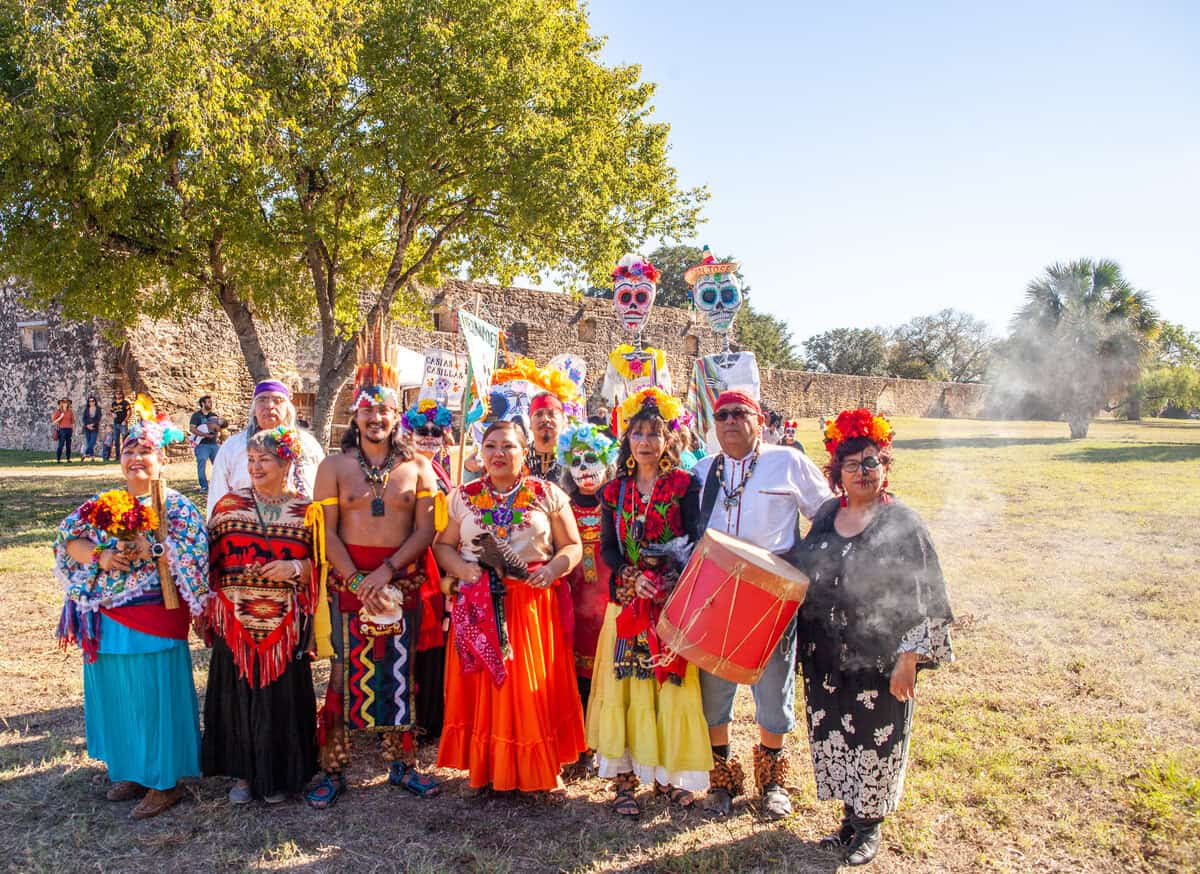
735	574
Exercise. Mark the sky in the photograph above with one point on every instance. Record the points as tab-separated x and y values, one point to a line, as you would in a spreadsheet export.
870	162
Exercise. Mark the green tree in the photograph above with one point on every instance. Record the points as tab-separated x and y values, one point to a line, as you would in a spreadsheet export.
950	346
856	351
1170	385
768	337
1079	341
274	158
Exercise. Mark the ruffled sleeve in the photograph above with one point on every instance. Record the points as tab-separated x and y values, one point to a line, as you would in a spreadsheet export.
187	551
78	580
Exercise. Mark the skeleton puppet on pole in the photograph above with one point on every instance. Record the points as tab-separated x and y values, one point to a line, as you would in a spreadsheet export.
632	368
717	293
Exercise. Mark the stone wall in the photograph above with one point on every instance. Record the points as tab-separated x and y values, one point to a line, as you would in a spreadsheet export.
800	394
78	362
176	363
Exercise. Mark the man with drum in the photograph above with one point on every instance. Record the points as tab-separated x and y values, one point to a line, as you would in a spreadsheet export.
755	491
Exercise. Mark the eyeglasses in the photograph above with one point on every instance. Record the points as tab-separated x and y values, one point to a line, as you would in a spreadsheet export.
737	413
429	431
871	462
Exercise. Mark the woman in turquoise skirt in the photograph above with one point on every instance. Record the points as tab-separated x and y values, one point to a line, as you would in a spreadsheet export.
139	702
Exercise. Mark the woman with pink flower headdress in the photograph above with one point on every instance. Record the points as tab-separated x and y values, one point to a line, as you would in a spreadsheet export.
260	713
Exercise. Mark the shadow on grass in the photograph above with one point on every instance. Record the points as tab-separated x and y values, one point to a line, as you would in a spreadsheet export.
975	442
1139	452
773	850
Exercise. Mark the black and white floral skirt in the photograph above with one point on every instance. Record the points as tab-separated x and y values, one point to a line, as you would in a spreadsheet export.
858	732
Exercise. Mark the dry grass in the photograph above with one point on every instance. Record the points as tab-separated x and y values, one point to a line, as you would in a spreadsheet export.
1065	738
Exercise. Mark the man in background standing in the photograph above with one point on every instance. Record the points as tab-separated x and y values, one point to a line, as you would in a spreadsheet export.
204	426
120	414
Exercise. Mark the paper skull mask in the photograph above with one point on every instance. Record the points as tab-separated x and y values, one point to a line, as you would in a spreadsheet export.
716	291
635	282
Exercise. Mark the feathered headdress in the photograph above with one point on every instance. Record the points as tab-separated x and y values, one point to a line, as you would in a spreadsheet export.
858	423
376	382
156	430
583	439
547	379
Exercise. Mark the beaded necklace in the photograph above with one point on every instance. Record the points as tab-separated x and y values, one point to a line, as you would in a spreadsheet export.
734	496
377	478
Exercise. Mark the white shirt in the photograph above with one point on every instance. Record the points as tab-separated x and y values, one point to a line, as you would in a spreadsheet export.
229	467
784	483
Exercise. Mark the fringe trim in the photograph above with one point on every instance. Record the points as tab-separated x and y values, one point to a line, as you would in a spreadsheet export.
272	655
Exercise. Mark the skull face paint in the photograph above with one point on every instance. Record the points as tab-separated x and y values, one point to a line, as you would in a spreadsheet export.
588	472
719	297
634	288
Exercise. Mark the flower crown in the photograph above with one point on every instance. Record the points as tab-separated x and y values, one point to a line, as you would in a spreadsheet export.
287	442
153	429
427	412
584	438
858	423
652	398
637	268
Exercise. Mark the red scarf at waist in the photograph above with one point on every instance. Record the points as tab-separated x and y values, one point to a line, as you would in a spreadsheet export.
154	619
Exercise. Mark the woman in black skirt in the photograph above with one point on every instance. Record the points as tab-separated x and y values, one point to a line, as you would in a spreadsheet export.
876	611
260	723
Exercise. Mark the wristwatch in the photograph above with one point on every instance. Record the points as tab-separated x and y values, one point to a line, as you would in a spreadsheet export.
157	550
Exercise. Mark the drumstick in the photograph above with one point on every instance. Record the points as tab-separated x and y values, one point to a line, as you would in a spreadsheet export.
169	592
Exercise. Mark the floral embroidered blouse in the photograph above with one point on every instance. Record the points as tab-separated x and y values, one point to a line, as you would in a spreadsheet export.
522	517
672	511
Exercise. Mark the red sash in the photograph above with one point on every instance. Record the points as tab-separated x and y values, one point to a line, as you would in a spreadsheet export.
154	619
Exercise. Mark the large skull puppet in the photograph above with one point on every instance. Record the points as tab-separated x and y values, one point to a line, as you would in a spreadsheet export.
586	453
635	283
716	291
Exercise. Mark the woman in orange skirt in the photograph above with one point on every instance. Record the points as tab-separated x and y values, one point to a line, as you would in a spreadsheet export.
513	716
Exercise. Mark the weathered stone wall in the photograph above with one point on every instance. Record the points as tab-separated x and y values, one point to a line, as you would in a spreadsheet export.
800	394
76	364
178	363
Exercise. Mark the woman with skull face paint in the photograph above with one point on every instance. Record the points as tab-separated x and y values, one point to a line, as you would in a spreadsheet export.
645	719
876	612
586	453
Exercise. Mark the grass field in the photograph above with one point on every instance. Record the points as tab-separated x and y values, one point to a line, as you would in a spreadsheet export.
1066	737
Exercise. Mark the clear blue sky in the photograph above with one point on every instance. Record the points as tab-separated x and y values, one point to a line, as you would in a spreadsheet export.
873	161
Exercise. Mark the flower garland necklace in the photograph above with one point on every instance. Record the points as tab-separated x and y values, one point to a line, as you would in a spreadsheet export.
631	364
377	478
505	511
734	496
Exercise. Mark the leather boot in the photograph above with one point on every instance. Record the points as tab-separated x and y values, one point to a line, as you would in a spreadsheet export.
865	844
841	839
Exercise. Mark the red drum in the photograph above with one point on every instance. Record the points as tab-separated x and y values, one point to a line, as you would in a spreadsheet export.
731	607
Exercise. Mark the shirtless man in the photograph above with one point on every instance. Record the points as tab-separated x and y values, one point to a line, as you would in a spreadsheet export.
378	502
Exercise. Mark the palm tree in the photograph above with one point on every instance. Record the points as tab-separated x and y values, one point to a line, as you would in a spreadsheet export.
1082	337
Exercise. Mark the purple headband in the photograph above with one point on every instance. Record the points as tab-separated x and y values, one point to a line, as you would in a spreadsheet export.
271	385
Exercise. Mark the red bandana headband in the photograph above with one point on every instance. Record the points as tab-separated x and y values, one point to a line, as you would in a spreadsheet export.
726	398
545	401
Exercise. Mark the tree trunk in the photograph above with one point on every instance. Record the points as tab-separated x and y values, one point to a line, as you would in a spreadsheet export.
1133	410
1078	423
337	365
242	319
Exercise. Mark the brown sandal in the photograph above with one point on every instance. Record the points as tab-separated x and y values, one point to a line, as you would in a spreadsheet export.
125	790
681	797
625	804
156	801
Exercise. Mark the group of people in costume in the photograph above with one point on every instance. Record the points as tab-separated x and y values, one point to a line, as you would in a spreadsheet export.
512	617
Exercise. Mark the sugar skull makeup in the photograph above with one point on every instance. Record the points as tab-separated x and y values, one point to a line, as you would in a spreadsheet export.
635	282
586	453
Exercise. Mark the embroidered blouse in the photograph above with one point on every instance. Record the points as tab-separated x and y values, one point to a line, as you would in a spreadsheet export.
524	516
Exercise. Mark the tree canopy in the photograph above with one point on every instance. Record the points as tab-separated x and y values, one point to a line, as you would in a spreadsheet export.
768	337
274	158
857	351
950	346
1079	341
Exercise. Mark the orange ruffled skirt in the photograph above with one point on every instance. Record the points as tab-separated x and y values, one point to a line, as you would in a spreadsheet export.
517	736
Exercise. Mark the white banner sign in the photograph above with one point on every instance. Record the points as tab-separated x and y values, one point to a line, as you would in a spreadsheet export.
483	342
445	378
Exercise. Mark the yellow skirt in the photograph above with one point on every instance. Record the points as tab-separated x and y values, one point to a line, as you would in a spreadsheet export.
657	732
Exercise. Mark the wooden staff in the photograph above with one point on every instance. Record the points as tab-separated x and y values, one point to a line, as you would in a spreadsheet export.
169	592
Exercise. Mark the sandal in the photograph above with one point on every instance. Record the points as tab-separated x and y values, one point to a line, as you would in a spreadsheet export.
407	777
676	795
625	804
326	793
